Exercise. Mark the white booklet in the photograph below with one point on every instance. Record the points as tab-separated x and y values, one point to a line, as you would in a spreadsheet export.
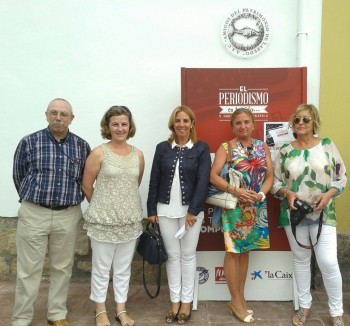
180	234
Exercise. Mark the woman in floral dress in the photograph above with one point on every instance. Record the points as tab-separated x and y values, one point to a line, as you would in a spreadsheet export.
311	169
246	227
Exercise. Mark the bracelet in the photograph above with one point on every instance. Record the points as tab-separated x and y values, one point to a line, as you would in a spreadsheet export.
263	196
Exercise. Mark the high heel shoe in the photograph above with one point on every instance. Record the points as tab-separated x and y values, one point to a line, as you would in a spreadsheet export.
250	312
171	317
183	317
246	319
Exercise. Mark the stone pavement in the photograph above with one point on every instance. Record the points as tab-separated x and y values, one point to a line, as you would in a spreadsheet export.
148	312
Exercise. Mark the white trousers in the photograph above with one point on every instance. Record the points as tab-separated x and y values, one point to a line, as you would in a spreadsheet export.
105	256
181	264
326	256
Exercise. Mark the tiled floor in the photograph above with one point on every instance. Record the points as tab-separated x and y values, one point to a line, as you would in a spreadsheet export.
147	312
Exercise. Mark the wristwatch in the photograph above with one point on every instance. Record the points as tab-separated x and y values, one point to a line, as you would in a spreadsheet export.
263	196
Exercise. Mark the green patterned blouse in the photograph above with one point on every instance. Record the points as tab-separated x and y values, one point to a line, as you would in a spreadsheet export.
308	173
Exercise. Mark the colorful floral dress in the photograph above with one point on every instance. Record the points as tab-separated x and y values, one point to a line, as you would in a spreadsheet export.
309	173
246	227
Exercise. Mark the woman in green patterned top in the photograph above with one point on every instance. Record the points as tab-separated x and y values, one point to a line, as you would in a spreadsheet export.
311	169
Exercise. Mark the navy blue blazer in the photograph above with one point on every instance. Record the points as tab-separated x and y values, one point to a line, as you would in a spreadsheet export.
194	170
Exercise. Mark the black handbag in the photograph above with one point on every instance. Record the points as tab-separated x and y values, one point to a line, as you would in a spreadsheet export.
152	250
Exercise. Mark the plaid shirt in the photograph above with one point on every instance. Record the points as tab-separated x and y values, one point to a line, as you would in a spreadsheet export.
49	172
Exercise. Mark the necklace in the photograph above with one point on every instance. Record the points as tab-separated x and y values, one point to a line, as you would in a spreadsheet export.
249	150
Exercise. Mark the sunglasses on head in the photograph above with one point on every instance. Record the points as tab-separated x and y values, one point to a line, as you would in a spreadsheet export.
297	120
119	108
116	110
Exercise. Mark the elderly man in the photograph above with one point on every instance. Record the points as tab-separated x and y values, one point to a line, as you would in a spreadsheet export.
47	172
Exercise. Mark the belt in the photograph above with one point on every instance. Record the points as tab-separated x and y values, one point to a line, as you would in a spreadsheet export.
55	207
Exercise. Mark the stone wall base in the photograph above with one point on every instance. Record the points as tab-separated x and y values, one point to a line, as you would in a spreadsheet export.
82	262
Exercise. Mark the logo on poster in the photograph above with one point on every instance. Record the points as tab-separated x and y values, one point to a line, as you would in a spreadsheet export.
272	275
255	275
203	275
246	33
219	275
255	99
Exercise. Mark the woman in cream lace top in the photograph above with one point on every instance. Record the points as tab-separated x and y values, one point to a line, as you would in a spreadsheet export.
113	220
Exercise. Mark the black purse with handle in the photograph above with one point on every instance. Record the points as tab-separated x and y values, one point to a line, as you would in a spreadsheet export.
152	250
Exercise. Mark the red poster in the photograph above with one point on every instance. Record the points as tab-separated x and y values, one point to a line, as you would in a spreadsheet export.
214	93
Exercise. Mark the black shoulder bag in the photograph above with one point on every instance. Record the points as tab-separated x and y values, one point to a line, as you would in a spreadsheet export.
151	248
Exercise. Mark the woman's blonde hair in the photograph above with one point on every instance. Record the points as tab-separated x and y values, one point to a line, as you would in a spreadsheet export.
189	112
315	116
240	111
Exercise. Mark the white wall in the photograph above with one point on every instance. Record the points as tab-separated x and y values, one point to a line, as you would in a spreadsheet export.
108	52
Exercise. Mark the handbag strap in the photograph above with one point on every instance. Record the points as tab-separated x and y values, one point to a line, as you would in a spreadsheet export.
229	153
318	233
159	267
158	280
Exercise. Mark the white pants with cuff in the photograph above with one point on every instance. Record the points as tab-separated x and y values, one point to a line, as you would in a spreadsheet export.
181	264
105	256
326	255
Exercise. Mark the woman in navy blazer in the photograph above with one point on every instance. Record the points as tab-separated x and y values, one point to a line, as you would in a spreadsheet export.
177	192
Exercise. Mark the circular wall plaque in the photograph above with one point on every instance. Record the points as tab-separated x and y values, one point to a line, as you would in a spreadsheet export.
246	33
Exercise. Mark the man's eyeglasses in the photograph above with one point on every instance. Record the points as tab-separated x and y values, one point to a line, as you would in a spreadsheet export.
305	120
55	114
250	151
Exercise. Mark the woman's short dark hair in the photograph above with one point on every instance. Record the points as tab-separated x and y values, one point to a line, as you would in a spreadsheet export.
112	111
189	112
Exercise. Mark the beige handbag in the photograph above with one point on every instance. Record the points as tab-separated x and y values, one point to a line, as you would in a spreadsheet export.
221	198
